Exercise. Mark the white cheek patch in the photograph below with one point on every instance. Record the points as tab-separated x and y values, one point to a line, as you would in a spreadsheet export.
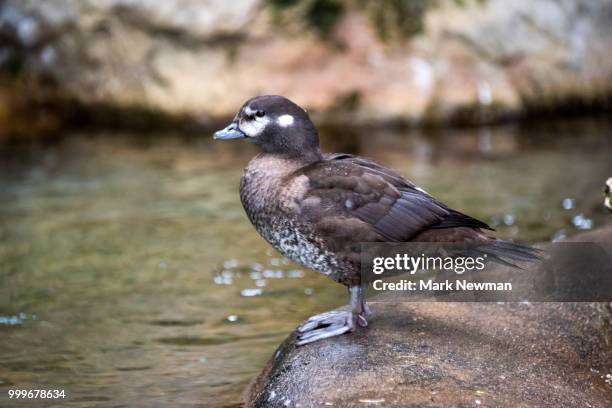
285	120
253	128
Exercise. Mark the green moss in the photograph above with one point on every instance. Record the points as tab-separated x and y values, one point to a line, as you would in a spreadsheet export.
397	18
322	15
464	3
318	15
391	18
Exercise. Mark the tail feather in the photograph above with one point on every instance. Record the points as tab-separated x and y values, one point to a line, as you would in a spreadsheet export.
507	253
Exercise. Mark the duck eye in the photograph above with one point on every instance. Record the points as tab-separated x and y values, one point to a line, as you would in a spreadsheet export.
260	113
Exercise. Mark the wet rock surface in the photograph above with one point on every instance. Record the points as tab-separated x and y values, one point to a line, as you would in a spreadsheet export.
471	60
452	354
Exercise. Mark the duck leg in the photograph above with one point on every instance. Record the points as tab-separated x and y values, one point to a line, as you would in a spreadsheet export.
365	309
336	322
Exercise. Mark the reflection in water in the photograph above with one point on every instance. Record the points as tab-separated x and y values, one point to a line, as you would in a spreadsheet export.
130	274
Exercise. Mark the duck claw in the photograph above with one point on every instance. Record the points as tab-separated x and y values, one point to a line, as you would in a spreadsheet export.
325	325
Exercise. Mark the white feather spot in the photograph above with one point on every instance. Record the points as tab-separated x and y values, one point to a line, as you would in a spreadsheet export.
285	120
254	126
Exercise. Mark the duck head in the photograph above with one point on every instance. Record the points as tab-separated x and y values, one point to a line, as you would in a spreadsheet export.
275	124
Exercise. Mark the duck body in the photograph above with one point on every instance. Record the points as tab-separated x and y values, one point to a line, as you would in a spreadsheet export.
318	213
317	209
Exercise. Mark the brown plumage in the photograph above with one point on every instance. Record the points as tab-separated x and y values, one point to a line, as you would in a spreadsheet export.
349	200
317	209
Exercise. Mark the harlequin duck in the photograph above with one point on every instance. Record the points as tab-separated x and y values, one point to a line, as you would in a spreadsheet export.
316	208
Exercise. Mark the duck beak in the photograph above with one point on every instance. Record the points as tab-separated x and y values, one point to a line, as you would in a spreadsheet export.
230	132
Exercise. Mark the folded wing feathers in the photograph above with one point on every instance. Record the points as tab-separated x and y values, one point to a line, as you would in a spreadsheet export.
394	207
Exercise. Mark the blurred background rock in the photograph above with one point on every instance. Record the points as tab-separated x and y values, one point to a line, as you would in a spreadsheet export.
145	62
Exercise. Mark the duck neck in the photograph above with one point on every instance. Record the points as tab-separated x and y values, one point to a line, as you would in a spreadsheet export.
302	157
310	156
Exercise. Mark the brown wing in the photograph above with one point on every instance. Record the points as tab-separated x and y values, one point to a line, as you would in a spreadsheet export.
359	200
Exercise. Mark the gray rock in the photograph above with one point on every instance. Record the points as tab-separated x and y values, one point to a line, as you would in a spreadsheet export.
474	59
452	355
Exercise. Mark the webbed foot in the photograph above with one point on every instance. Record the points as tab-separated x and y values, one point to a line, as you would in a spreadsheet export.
336	322
325	325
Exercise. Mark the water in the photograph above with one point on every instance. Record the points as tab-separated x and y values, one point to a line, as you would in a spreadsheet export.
129	274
